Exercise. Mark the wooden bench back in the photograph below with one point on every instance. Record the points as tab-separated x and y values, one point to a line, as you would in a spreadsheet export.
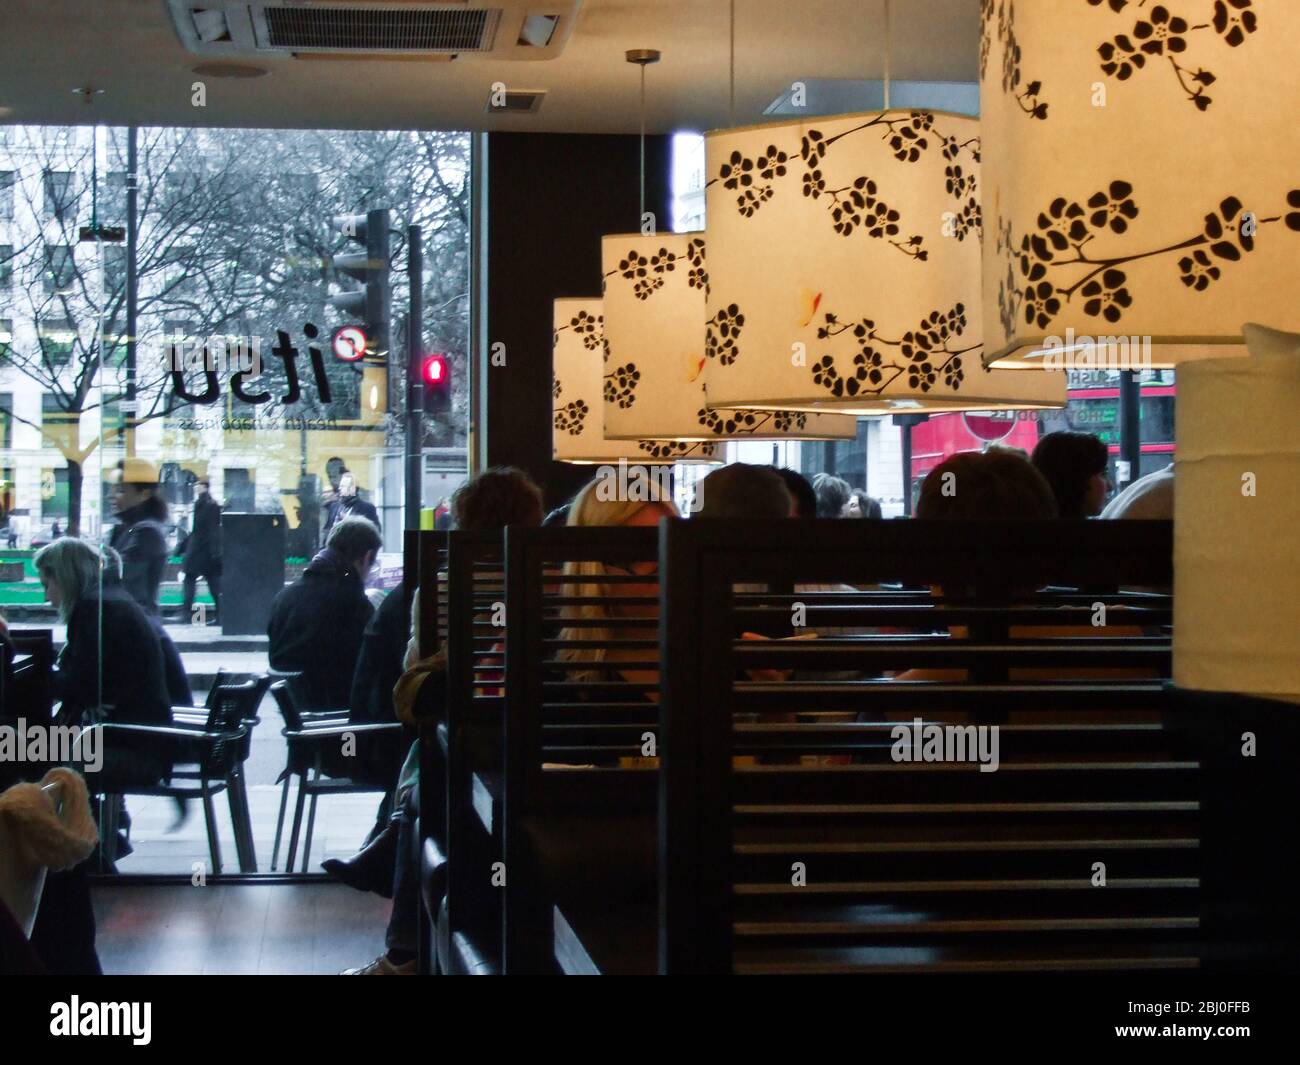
794	838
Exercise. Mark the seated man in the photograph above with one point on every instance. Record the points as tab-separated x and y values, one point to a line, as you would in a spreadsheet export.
317	623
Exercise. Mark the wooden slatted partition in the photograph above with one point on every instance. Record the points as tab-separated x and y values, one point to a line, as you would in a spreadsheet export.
581	679
794	839
472	738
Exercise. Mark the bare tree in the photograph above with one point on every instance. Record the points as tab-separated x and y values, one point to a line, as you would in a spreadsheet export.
235	238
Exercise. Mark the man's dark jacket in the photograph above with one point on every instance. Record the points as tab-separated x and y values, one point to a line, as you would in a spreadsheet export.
203	549
316	628
349	507
140	537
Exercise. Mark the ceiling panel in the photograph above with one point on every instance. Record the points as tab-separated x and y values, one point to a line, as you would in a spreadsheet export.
129	49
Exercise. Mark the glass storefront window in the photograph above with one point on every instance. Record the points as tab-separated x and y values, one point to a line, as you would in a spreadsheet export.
233	380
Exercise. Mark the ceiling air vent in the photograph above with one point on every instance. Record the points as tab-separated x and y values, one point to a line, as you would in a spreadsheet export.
394	29
516	102
332	29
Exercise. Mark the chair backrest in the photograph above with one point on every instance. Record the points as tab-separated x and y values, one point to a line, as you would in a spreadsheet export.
932	791
232	707
32	683
218	681
288	708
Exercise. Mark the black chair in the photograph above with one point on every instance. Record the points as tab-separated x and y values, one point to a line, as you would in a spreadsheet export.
193	717
214	749
314	745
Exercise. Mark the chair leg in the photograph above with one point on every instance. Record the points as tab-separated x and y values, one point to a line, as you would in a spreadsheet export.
107	830
210	816
311	818
311	822
304	781
279	821
242	820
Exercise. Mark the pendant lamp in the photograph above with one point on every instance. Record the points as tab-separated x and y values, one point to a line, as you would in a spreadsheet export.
844	267
582	377
1141	179
655	288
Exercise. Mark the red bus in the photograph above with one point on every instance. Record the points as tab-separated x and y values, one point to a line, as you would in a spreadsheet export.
1092	407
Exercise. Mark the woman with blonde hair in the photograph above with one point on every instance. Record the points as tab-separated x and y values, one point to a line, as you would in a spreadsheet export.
643	502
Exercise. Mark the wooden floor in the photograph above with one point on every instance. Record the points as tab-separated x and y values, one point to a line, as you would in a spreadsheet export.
262	929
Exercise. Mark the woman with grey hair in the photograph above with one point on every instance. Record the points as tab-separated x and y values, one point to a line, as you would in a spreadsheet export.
123	682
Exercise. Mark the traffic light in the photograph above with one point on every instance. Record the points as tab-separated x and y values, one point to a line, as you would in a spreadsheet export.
435	373
369	305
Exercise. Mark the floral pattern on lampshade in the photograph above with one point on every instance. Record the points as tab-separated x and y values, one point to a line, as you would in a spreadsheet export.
1130	210
655	322
852	282
856	203
998	23
582	382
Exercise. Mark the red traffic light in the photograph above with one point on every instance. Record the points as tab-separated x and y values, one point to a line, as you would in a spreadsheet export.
436	374
435	369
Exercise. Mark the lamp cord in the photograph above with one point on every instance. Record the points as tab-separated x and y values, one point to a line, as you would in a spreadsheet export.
732	116
642	145
889	56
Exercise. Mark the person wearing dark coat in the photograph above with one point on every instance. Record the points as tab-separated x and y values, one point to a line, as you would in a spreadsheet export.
379	667
177	680
111	670
318	622
203	552
140	535
348	504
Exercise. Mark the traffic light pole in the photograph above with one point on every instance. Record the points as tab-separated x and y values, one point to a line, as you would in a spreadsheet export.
414	384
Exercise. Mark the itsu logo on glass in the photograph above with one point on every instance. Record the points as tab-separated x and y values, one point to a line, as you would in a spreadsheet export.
242	359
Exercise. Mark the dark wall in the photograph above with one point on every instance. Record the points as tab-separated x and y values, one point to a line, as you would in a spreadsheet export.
549	200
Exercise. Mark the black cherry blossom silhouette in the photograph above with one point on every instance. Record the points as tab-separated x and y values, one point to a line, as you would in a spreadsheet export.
1113	208
590	327
1293	218
1012	76
1106	296
1233	20
1162	34
749	422
698	275
570	417
921	355
723	335
856	205
1198	270
620	385
1060	260
669	449
645	272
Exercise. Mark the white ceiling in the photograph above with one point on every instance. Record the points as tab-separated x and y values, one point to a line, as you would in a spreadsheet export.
129	49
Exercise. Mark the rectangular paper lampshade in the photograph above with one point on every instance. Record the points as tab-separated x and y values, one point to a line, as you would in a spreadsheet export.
1236	522
655	315
844	268
1141	177
577	386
